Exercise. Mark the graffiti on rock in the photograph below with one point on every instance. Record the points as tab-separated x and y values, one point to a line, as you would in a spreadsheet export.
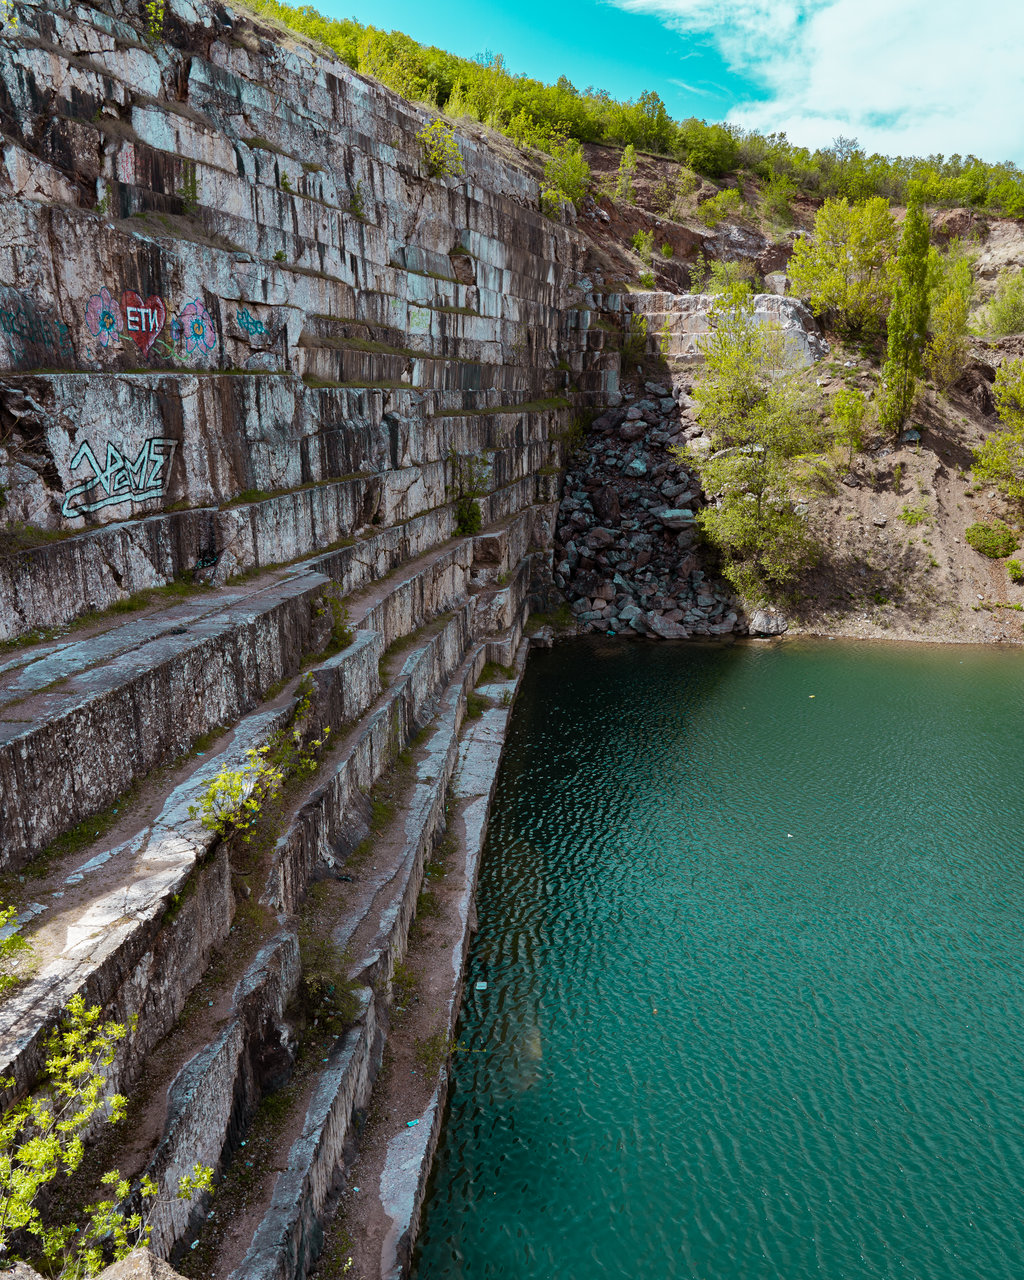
103	317
143	320
121	479
249	323
25	324
197	328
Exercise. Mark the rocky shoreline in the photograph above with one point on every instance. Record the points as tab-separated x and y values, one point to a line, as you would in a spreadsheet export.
626	542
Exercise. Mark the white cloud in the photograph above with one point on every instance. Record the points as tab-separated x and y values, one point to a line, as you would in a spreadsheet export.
903	76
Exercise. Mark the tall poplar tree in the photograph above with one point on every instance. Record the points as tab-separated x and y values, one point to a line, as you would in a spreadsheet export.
907	325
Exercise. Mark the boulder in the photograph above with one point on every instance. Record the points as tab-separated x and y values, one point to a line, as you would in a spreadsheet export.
675	518
665	628
768	622
606	505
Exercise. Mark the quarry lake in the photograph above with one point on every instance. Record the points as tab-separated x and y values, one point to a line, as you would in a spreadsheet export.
750	928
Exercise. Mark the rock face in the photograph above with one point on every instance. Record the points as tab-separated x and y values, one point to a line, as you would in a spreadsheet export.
627	542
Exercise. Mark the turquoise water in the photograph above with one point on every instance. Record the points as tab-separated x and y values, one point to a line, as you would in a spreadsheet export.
755	983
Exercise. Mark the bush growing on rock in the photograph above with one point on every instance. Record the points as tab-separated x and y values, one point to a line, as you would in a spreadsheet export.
42	1139
1005	313
567	174
724	205
1000	460
440	150
624	189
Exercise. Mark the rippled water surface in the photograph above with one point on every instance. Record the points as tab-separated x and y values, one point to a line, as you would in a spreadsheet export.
754	973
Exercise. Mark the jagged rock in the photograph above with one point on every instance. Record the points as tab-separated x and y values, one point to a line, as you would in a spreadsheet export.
768	622
631	431
140	1265
606	505
666	628
675	518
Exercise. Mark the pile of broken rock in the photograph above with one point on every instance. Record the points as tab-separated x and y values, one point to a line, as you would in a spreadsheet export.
626	547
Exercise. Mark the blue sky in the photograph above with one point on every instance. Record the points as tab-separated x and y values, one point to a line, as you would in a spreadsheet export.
902	76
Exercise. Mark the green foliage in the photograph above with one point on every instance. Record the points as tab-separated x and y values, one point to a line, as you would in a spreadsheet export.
155	13
667	251
356	201
543	114
643	246
843	268
233	800
1015	569
1005	313
724	205
188	192
646	279
720	277
286	183
8	16
952	289
913	515
624	189
1000	460
328	996
279	255
440	150
849	411
750	401
567	174
993	540
634	339
331	601
777	198
10	948
907	324
470	478
709	149
42	1138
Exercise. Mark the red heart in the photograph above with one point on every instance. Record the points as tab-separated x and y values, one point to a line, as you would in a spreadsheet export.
143	321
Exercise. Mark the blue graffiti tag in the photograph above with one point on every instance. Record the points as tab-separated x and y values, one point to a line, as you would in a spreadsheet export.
249	323
120	480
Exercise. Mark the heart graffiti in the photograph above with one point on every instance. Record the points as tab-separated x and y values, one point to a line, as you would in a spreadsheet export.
143	319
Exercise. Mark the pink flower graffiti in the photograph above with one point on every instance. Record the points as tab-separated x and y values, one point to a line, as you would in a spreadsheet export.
103	316
197	328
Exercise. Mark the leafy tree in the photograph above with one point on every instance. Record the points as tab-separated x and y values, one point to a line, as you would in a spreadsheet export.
950	301
751	404
624	189
1000	460
566	174
907	325
709	149
777	198
849	412
643	246
42	1138
843	268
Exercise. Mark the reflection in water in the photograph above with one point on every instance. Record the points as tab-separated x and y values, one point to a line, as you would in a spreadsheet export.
754	970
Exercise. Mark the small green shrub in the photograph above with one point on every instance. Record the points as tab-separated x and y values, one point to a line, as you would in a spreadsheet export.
646	279
10	948
356	202
468	517
233	800
1016	570
42	1138
441	150
188	192
993	540
667	251
643	246
155	18
913	516
624	189
1005	313
718	208
279	255
566	174
286	183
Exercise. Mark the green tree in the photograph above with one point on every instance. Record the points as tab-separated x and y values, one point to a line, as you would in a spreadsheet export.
567	174
842	269
907	325
10	947
1000	460
951	294
849	411
441	150
624	189
43	1137
750	402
